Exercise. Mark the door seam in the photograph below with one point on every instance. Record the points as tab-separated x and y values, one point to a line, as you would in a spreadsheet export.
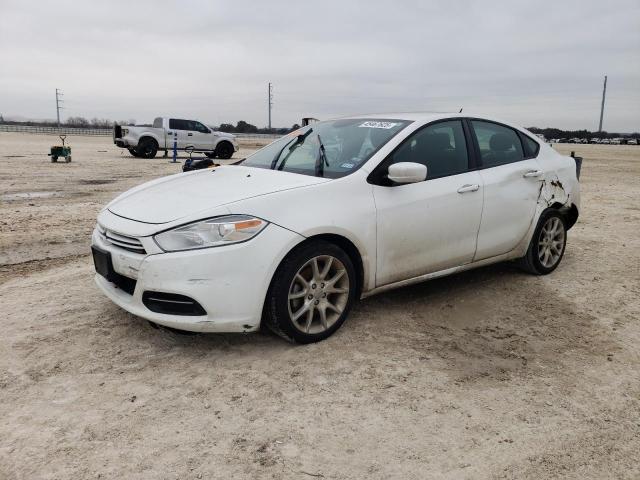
475	251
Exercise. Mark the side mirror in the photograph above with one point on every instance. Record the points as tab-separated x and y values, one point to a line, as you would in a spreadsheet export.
407	172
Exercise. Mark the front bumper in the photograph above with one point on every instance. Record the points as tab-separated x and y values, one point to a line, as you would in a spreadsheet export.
229	282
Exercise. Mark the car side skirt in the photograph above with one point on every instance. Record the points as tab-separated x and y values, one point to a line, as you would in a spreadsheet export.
516	253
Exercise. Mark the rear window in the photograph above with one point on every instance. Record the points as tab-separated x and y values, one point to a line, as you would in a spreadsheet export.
157	123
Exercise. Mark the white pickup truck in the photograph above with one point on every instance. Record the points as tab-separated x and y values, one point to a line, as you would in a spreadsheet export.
145	142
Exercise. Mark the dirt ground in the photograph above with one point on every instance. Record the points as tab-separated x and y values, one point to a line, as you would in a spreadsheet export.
488	374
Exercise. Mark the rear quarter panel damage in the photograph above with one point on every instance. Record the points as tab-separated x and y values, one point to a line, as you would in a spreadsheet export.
560	183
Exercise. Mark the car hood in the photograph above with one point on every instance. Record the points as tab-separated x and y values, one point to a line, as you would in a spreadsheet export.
184	195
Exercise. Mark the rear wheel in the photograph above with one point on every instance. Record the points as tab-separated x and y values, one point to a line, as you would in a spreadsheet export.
147	148
224	150
311	293
547	244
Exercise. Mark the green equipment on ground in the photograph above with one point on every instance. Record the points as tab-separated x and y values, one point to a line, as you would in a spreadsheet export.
60	151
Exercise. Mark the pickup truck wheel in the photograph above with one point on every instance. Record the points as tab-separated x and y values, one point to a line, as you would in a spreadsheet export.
224	150
147	148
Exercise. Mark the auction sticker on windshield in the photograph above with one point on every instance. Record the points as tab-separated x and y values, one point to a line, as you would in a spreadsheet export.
385	125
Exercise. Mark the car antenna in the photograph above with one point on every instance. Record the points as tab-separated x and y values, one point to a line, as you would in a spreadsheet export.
460	110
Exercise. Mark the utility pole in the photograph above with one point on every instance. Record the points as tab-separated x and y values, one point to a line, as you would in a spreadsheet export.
604	93
270	101
58	102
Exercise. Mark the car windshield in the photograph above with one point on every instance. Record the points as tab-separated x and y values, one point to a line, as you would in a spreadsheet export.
329	149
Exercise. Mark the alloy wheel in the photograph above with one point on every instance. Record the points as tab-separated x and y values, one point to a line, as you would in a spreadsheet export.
318	294
551	242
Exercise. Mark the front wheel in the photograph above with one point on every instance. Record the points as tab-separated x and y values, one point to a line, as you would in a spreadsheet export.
311	293
224	150
547	244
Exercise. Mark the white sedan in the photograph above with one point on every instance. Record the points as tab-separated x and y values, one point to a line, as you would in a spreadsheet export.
333	212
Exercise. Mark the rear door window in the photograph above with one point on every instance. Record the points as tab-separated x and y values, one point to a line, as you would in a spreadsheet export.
498	144
177	124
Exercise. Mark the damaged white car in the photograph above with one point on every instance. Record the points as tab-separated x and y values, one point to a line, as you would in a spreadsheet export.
333	212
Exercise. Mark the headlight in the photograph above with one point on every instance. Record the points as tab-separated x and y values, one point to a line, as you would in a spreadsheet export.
212	232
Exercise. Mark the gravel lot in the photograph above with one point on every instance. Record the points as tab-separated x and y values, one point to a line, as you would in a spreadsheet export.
488	374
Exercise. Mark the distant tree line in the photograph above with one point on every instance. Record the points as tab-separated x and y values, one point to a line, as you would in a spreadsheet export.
557	133
244	127
81	122
74	122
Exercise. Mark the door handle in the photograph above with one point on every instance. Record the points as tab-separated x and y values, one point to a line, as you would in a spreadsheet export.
190	134
469	188
532	174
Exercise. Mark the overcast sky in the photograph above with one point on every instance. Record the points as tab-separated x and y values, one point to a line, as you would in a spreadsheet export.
537	63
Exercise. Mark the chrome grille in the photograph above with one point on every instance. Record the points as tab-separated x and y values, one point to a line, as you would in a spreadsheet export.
131	244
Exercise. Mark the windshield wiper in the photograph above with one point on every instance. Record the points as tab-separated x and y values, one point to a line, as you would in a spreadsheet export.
298	140
321	161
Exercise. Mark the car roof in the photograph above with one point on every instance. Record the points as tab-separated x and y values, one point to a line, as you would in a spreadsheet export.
425	117
412	116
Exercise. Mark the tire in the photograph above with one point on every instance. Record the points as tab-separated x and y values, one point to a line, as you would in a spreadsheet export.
547	245
327	291
224	150
54	159
68	159
211	155
133	152
147	147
